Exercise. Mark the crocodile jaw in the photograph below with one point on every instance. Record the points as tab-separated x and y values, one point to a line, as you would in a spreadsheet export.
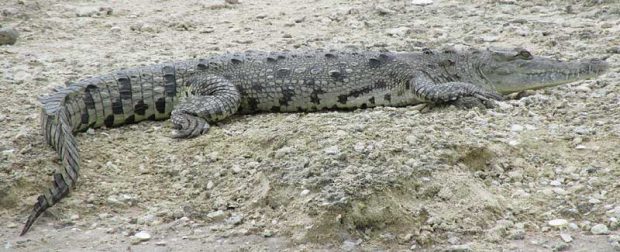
520	74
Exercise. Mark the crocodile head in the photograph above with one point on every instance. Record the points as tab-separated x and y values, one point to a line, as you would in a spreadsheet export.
516	70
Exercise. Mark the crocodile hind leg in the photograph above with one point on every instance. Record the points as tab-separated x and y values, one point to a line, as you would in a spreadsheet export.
460	94
212	98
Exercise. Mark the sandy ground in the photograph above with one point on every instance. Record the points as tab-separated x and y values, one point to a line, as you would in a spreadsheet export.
539	173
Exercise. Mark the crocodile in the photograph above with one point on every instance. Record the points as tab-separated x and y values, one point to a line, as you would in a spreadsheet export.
196	92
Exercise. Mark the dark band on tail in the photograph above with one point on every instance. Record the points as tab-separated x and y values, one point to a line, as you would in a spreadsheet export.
114	99
58	132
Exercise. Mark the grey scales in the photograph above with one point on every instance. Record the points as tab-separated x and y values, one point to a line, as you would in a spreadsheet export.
196	92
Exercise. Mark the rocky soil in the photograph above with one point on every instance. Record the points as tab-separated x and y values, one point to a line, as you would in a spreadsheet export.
538	173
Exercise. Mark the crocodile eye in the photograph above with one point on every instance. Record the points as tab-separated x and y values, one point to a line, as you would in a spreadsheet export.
524	54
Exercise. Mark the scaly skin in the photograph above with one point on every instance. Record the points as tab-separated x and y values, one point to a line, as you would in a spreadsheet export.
196	92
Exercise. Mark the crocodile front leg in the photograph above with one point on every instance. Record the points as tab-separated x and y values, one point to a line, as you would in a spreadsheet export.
461	94
213	98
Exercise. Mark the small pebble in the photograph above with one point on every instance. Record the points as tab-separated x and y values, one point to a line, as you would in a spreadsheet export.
236	169
573	226
583	88
216	215
8	36
11	225
304	192
562	246
613	222
421	2
235	219
348	245
333	150
516	128
282	152
490	38
566	237
559	191
384	11
580	147
398	32
614	50
558	223
267	233
599	229
459	248
140	237
594	201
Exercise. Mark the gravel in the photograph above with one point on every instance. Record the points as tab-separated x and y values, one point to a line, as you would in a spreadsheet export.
310	181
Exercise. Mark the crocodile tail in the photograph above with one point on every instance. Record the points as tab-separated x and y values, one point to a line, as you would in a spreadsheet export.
110	100
56	119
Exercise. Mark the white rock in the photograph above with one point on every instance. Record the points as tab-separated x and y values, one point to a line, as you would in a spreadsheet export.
236	169
559	191
143	236
573	226
513	142
555	183
516	128
333	150
580	147
490	38
235	219
411	139
594	201
384	11
359	147
280	153
566	237
599	229
304	192
398	32
216	215
421	2
583	88
558	222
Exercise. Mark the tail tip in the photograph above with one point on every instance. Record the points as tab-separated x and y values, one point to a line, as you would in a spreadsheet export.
37	210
